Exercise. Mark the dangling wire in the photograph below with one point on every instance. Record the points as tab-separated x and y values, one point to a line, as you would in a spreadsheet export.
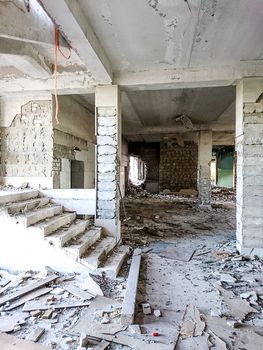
56	35
56	49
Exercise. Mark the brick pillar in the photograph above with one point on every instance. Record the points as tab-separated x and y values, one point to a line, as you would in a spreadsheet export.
249	186
108	121
204	159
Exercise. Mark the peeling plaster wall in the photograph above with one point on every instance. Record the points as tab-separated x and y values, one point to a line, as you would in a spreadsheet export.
27	146
107	167
249	147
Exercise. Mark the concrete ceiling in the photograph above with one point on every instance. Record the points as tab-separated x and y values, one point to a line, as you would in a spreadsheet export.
151	115
161	34
138	44
170	57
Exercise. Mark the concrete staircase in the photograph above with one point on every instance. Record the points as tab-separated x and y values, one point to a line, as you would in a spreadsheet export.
77	238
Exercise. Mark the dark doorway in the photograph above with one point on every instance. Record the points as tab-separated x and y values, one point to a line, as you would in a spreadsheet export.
77	174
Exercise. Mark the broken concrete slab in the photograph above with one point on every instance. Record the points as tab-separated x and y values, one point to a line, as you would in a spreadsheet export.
38	305
239	307
128	306
8	323
36	334
27	289
102	345
28	297
193	325
10	342
224	277
81	294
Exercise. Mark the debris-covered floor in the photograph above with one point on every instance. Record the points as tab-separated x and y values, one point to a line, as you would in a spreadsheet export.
194	290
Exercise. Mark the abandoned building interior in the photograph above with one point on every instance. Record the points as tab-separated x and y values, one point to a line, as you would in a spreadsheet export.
131	174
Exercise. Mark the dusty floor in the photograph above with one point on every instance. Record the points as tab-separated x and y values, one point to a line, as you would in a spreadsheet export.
208	295
175	230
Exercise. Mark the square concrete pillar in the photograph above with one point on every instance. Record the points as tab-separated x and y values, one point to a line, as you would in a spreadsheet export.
108	154
249	147
204	159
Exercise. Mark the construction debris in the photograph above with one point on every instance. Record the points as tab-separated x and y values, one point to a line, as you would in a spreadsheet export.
193	325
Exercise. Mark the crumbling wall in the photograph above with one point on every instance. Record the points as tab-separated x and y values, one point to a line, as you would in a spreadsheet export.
27	144
107	166
178	165
249	148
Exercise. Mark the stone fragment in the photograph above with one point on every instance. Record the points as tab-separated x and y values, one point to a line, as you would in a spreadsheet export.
146	308
157	313
227	278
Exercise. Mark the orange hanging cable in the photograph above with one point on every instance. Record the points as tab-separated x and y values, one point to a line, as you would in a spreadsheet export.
62	53
56	43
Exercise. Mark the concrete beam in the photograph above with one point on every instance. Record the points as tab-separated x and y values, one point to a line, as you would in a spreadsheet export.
131	116
24	57
23	25
175	129
68	83
186	77
69	17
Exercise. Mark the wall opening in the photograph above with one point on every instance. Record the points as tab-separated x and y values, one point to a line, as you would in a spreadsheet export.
77	174
222	166
137	173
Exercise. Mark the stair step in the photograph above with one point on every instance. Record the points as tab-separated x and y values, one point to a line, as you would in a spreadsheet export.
93	258
62	236
33	217
115	261
84	242
17	196
51	225
24	206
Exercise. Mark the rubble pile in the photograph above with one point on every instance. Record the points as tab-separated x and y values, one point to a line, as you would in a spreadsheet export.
223	194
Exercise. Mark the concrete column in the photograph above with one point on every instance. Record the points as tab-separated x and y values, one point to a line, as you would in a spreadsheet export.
204	159
108	155
249	147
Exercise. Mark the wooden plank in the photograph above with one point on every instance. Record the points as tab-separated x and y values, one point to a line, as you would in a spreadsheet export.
9	342
27	289
29	296
37	305
128	307
102	345
83	295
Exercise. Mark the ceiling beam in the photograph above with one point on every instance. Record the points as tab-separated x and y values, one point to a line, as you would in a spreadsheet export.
187	77
68	83
24	57
32	26
132	119
69	17
147	130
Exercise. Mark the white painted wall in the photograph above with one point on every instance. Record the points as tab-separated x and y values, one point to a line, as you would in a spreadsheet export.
88	157
82	201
